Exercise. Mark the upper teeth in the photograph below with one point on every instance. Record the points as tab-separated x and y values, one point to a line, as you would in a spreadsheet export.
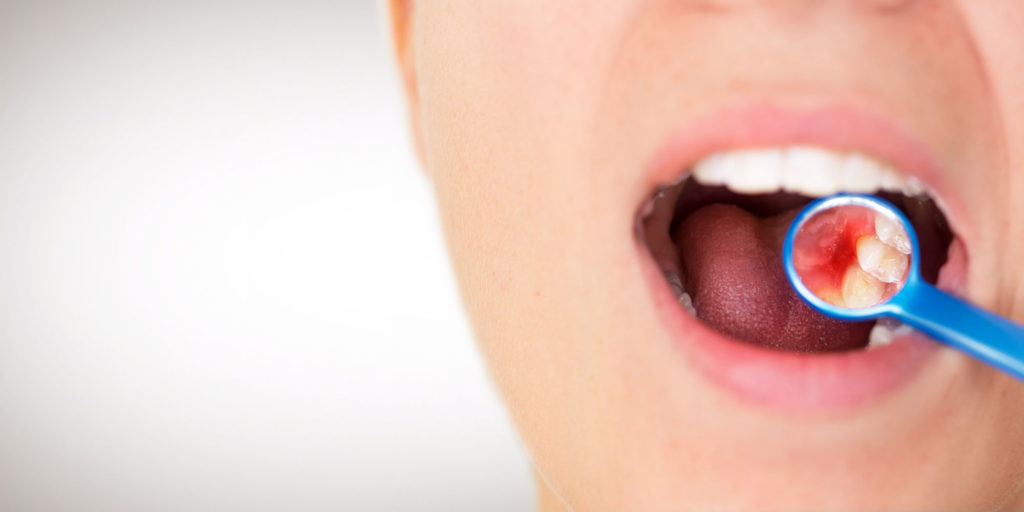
804	170
884	262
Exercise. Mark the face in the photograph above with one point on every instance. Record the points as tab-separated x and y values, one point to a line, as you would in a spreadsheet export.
614	179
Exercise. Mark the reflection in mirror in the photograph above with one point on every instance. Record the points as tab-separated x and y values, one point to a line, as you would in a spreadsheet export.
852	256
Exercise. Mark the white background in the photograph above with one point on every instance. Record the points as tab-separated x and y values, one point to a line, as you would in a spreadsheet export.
222	280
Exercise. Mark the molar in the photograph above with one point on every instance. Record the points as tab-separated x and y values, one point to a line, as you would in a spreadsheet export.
676	284
687	303
882	261
892	234
860	289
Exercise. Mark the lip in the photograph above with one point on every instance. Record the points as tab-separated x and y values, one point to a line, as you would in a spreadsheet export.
790	380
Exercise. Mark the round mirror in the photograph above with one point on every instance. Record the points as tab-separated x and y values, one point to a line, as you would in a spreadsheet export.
853	252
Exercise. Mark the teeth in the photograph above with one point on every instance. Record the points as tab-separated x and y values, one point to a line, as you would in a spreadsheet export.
830	295
880	335
912	186
860	289
892	182
884	333
892	234
756	172
862	174
883	262
812	171
804	170
687	303
717	169
676	285
674	282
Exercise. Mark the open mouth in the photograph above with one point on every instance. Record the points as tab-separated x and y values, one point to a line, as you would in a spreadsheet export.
716	234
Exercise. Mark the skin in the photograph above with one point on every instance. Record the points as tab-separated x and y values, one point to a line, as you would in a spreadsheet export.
535	122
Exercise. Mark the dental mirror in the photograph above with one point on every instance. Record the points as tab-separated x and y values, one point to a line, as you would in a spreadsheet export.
856	257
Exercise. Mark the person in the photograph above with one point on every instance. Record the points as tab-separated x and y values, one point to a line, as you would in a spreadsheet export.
613	179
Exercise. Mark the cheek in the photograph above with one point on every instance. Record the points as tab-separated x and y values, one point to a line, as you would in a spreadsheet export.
999	43
504	122
537	233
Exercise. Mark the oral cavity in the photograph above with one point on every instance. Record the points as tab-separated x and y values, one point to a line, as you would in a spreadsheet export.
718	233
734	274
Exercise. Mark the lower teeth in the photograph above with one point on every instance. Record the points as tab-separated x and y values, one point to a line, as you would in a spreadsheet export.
887	330
684	298
687	303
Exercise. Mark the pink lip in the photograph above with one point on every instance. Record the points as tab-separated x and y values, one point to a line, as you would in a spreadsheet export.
786	379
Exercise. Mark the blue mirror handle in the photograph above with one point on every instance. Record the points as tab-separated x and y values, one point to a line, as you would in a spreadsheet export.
964	326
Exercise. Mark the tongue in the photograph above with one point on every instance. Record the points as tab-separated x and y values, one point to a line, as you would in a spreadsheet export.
734	274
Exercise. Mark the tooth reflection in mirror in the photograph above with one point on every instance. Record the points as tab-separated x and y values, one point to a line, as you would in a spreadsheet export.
856	257
852	256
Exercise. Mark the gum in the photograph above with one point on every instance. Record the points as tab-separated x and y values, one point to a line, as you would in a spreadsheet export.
826	247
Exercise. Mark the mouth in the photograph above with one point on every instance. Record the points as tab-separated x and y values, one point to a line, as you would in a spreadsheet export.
713	230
